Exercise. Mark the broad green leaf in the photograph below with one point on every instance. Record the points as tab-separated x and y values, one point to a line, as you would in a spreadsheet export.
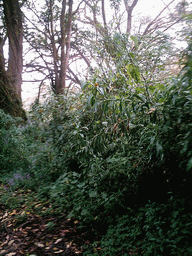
60	127
189	164
81	185
92	101
93	194
105	123
100	90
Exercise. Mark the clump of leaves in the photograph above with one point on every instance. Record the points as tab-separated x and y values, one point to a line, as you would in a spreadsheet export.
12	203
12	149
155	229
50	225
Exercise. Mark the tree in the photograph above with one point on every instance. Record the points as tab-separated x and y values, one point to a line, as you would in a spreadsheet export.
62	36
129	10
52	35
11	78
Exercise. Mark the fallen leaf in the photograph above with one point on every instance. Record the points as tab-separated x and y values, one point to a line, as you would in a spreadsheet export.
58	240
5	215
68	244
55	248
59	251
37	205
11	254
65	230
4	243
13	213
11	242
40	245
35	230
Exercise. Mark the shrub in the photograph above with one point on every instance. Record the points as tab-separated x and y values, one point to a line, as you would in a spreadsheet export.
12	146
155	229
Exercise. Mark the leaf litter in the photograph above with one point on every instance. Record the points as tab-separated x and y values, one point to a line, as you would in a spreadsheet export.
24	232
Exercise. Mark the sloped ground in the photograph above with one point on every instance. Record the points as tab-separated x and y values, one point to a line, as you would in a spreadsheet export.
24	232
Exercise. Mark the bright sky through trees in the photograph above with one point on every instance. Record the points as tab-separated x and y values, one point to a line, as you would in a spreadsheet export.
144	8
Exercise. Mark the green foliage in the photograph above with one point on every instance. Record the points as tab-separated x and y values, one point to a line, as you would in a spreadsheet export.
12	149
103	154
96	152
12	203
154	229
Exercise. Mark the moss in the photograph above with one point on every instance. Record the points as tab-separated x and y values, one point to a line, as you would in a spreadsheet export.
8	99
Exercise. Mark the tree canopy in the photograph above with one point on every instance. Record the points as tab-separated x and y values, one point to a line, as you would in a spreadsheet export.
102	166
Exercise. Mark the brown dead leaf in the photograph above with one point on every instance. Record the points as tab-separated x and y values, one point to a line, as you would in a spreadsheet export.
11	254
68	244
4	243
40	245
37	205
66	230
58	240
59	251
35	230
11	242
13	212
5	215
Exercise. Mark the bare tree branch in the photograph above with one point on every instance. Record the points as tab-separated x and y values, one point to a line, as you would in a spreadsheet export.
155	19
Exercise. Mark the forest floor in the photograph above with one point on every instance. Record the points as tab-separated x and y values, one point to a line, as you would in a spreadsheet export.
29	226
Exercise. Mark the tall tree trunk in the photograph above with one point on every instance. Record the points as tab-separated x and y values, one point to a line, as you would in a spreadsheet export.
55	79
11	79
103	14
65	43
13	20
129	10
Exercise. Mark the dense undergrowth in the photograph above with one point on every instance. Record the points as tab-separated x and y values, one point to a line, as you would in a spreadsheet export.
117	156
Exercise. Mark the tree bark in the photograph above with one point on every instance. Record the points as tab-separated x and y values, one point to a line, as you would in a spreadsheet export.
103	14
55	83
11	79
13	21
65	42
129	10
